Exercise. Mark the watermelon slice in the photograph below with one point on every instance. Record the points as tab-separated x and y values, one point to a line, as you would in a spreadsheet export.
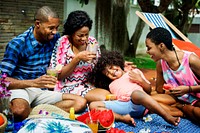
105	117
115	130
167	86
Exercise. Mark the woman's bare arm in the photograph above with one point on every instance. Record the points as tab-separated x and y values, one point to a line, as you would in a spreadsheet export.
159	79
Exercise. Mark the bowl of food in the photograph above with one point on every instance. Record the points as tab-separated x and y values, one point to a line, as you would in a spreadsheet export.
3	123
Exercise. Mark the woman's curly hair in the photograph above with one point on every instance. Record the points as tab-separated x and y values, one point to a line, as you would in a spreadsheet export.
107	58
75	21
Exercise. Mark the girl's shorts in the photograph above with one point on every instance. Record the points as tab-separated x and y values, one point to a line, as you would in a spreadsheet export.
124	108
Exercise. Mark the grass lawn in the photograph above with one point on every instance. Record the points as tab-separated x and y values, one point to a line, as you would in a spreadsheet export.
142	61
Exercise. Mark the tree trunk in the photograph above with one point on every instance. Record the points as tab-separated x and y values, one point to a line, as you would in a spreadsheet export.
119	31
103	22
111	24
131	51
179	15
186	7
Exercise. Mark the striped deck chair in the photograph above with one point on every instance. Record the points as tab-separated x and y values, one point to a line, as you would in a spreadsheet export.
154	20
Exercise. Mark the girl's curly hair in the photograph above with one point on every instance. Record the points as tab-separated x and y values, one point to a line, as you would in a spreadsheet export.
107	58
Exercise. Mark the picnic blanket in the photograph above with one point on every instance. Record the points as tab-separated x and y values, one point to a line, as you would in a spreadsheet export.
155	125
151	123
159	125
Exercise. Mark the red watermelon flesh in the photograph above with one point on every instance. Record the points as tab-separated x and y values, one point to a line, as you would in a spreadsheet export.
115	130
105	117
84	117
167	86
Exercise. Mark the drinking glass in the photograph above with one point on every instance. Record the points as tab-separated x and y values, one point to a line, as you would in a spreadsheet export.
92	48
51	72
93	124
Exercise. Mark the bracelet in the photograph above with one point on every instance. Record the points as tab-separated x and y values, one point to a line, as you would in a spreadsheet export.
190	89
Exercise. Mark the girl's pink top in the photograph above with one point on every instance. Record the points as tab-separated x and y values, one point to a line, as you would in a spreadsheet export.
123	87
182	76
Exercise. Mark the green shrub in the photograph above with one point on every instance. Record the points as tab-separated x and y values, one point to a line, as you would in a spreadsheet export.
142	62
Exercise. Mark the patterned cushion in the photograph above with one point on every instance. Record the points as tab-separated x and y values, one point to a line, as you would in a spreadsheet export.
54	125
46	118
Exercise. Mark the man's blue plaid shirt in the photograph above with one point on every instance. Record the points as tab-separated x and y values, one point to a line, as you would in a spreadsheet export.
25	58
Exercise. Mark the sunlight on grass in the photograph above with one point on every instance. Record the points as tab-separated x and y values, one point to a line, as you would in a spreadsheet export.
142	61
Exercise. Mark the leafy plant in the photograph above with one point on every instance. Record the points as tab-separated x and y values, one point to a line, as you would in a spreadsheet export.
142	62
4	92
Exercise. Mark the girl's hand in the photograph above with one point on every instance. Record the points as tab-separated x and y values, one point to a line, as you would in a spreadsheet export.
135	77
128	66
86	56
179	90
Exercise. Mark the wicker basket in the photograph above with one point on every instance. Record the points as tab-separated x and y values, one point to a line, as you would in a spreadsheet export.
3	127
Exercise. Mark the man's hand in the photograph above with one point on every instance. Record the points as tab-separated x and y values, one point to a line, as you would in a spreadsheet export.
45	81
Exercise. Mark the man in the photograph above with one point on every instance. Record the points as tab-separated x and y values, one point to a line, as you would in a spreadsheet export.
25	61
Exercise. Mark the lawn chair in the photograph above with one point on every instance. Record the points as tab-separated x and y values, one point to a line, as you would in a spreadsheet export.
154	20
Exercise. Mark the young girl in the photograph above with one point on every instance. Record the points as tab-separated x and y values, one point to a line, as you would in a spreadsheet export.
178	68
130	88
